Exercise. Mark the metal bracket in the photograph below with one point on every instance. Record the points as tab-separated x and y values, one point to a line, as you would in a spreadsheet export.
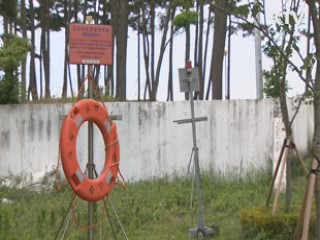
190	120
115	117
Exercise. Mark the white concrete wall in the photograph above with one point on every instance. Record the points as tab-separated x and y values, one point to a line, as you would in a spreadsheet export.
238	136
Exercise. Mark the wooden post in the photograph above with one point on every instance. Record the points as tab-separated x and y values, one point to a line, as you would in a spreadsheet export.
300	160
276	172
283	164
297	232
310	193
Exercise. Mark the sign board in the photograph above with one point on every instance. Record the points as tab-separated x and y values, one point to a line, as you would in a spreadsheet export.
191	79
90	44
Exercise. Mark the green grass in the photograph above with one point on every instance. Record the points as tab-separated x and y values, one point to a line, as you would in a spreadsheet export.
158	209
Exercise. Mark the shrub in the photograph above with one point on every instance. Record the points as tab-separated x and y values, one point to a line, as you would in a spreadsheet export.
260	224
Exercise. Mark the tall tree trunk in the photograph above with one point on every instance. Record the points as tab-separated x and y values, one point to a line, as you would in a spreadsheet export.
139	57
316	103
40	76
5	18
286	121
152	49
97	68
46	53
24	34
42	42
187	48
80	69
205	56
146	53
219	39
44	47
162	51
32	80
95	13
287	44
109	81
199	95
122	50
81	74
316	135
96	74
196	38
46	59
120	17
66	55
107	70
170	96
187	54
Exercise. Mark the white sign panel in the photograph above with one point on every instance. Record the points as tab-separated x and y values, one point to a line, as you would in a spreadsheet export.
187	80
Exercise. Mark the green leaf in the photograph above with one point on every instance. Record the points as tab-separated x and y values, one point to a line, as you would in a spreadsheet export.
257	7
185	19
13	51
308	62
242	10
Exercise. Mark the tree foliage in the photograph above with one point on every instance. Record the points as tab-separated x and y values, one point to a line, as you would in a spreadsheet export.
149	20
12	53
185	19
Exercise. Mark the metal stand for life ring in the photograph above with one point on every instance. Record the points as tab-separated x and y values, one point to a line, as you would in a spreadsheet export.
93	58
90	164
189	82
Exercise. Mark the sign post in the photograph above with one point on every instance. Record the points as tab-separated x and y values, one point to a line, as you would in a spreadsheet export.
90	133
90	44
189	82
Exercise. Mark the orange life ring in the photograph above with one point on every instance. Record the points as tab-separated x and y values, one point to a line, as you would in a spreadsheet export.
89	189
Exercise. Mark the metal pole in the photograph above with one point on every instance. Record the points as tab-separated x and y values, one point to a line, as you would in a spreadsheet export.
90	158
196	156
90	148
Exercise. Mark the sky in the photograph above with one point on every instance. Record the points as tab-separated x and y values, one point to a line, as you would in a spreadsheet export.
243	76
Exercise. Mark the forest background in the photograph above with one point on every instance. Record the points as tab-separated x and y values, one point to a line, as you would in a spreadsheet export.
162	35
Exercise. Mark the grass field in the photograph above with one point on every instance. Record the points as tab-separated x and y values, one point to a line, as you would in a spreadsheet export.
158	209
